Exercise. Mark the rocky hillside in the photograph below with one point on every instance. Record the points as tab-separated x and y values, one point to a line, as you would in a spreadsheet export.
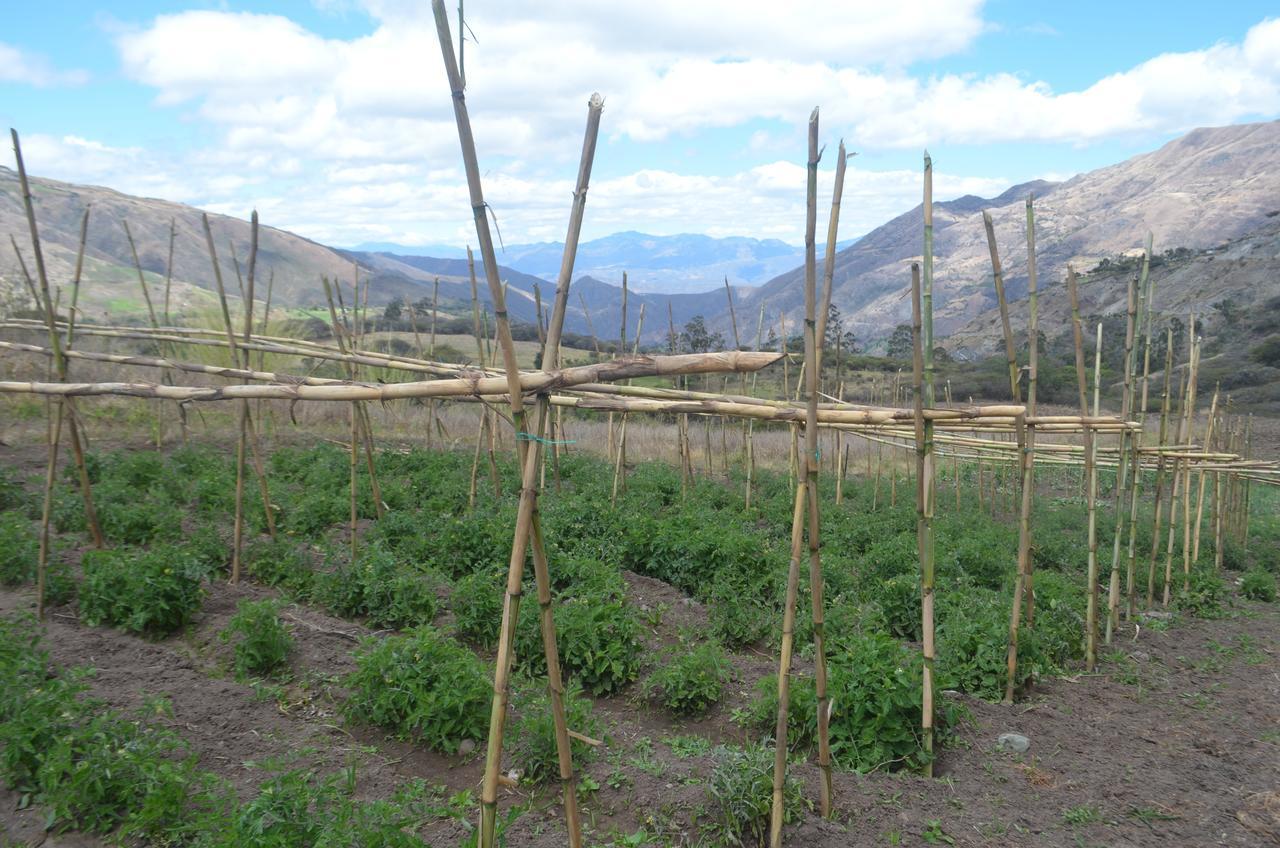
1198	191
1233	289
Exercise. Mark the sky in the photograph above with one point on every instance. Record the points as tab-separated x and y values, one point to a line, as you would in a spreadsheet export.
333	118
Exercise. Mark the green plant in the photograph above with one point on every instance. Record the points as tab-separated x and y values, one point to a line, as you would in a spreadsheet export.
874	684
740	791
1081	815
477	606
598	640
12	494
262	642
1202	596
377	587
132	517
19	549
689	680
899	602
1258	584
153	592
935	835
422	685
281	562
533	747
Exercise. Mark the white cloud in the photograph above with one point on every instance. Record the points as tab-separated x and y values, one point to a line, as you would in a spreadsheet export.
21	66
348	140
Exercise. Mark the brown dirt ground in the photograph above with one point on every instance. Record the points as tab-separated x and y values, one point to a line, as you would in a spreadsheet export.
1165	745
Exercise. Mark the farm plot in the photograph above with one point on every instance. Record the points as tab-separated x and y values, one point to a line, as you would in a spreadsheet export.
329	698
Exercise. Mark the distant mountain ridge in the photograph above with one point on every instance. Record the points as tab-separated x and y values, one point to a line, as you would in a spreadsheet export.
678	264
1200	190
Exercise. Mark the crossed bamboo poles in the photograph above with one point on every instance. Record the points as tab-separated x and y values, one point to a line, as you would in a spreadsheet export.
932	431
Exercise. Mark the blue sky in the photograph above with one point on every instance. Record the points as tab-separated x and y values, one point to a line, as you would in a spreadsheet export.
333	117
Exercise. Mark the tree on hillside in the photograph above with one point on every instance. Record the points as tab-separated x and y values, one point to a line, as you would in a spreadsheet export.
697	339
900	345
393	311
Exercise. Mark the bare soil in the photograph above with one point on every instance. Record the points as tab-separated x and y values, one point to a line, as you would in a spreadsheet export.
1177	733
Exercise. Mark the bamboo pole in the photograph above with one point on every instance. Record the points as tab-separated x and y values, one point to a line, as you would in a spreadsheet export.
1077	335
1122	484
44	302
1178	479
1160	469
527	526
1091	650
922	371
751	424
998	278
777	809
1193	379
1208	439
168	269
813	362
1146	293
1023	583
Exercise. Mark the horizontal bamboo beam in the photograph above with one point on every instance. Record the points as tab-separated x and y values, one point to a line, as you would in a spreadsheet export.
538	381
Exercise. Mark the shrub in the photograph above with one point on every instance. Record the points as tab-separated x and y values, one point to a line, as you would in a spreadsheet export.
262	643
1202	595
533	747
19	549
281	563
1233	556
12	494
1258	584
899	602
973	641
153	592
477	606
298	808
736	607
132	517
689	680
874	685
598	640
422	685
740	791
378	588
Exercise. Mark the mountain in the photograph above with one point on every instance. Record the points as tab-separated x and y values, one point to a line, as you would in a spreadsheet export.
443	251
1233	289
1201	190
679	264
1197	191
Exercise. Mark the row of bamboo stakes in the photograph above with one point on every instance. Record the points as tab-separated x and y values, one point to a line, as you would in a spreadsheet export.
932	431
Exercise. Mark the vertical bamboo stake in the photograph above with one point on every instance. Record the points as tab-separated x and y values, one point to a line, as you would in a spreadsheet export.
813	362
527	526
45	302
1090	443
922	371
168	271
586	313
1193	378
998	275
1122	466
1022	584
1091	655
1146	294
74	430
1208	438
1178	480
1160	469
750	437
78	441
777	810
